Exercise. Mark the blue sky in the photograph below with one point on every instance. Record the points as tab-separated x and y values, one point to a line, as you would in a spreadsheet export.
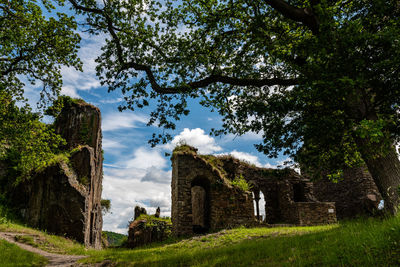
135	173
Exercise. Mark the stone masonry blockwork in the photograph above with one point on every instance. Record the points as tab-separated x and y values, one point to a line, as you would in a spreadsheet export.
289	197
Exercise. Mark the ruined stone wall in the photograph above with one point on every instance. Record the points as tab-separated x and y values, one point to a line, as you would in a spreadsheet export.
314	213
289	197
226	205
65	198
355	195
281	200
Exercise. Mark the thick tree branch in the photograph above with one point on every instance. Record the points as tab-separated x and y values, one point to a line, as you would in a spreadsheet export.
208	81
304	15
184	88
86	9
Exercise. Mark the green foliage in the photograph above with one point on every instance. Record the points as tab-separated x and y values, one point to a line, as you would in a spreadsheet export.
115	239
241	183
336	177
61	102
26	144
312	86
152	220
33	47
26	239
161	227
84	180
183	147
105	205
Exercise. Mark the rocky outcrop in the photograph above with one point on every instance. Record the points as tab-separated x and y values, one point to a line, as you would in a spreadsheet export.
65	198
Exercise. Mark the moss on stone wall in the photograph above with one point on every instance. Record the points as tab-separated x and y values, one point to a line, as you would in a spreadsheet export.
183	148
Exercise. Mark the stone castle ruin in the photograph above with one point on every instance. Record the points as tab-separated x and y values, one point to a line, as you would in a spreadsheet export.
356	194
204	196
65	198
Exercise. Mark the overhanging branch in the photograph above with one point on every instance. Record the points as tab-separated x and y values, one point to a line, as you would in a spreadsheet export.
212	79
303	15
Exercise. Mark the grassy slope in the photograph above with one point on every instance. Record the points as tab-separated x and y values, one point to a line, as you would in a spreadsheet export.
370	242
367	242
12	255
50	243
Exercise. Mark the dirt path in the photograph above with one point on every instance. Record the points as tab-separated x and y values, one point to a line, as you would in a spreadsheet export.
58	260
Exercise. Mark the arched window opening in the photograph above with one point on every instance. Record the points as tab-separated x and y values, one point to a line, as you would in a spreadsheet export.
259	205
200	204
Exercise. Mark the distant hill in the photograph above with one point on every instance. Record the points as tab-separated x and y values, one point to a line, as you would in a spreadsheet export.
115	239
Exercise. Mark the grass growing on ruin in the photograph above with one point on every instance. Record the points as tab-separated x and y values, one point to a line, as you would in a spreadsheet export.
12	255
364	242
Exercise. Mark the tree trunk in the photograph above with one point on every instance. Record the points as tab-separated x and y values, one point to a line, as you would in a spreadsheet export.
385	171
384	167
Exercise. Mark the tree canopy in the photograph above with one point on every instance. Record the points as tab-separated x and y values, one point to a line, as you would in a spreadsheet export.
33	48
318	79
26	144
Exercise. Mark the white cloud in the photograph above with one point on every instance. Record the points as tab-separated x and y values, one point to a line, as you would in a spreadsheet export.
252	136
146	158
69	91
126	194
116	121
109	145
270	166
157	176
141	181
284	163
246	157
196	138
75	80
111	101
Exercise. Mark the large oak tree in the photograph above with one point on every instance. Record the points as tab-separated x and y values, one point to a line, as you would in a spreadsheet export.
318	78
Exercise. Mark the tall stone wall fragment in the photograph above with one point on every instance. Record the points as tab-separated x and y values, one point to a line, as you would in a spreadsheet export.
65	198
197	185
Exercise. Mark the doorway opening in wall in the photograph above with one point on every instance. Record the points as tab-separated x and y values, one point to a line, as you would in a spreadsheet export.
259	206
200	194
298	193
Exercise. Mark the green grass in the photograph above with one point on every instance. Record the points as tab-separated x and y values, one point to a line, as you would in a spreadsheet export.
12	255
362	242
26	239
42	240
